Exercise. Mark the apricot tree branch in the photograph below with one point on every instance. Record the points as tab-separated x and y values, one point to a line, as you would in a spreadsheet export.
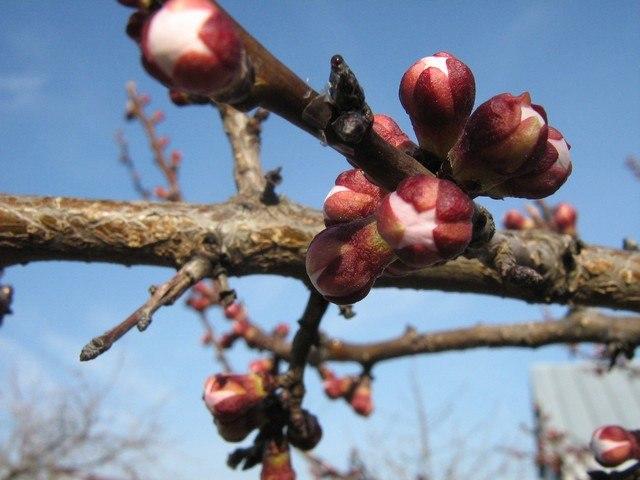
272	239
243	132
165	294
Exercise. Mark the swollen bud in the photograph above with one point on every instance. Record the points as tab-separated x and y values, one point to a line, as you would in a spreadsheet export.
234	400
438	94
344	260
564	218
361	400
193	46
514	220
426	221
276	462
612	445
551	171
390	132
504	138
353	197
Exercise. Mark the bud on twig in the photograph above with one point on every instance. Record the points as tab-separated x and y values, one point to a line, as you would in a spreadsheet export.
390	132
353	197
344	260
438	94
612	445
504	138
234	400
361	400
192	45
564	218
276	462
426	220
514	220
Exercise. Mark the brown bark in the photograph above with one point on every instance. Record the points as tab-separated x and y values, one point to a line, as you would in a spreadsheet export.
248	237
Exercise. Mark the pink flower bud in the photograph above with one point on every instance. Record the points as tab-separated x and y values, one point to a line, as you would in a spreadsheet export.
281	330
552	170
438	94
276	462
158	116
160	192
335	387
199	304
309	439
564	218
234	401
233	310
505	137
176	158
390	132
354	196
612	445
361	400
162	142
514	220
261	365
202	288
193	46
344	260
427	220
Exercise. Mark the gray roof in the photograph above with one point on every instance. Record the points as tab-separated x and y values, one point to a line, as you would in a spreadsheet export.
577	400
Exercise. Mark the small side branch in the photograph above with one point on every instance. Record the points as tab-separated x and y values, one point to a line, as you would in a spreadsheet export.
165	294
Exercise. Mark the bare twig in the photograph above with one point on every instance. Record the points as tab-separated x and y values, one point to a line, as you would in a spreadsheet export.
165	294
169	168
126	160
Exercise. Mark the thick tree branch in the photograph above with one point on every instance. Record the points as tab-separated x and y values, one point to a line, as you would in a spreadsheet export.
254	239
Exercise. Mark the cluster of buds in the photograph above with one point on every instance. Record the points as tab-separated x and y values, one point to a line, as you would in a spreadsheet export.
355	390
192	47
504	148
424	222
235	401
203	295
560	219
613	445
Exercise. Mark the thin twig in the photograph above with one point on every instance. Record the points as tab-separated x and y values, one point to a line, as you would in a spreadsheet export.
126	160
165	294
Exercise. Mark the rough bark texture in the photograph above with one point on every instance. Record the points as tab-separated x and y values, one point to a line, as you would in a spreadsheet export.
248	237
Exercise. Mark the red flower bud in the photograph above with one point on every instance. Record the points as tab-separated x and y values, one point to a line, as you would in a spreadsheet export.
552	170
234	401
427	220
354	196
234	310
505	137
335	387
193	46
390	132
308	439
160	192
176	158
438	94
344	260
361	400
565	217
261	365
158	116
612	445
281	330
276	462
202	288
514	220
399	269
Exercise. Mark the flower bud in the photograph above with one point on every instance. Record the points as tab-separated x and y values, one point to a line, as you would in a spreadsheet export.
438	94
564	218
552	170
234	311
427	220
612	445
505	137
398	268
354	196
514	220
281	330
361	400
199	304
261	365
234	401
193	46
344	260
276	462
336	387
310	438
387	128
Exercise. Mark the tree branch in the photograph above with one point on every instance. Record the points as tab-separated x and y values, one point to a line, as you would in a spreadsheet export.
272	239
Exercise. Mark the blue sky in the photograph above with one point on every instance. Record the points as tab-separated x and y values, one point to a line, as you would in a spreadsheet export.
62	76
